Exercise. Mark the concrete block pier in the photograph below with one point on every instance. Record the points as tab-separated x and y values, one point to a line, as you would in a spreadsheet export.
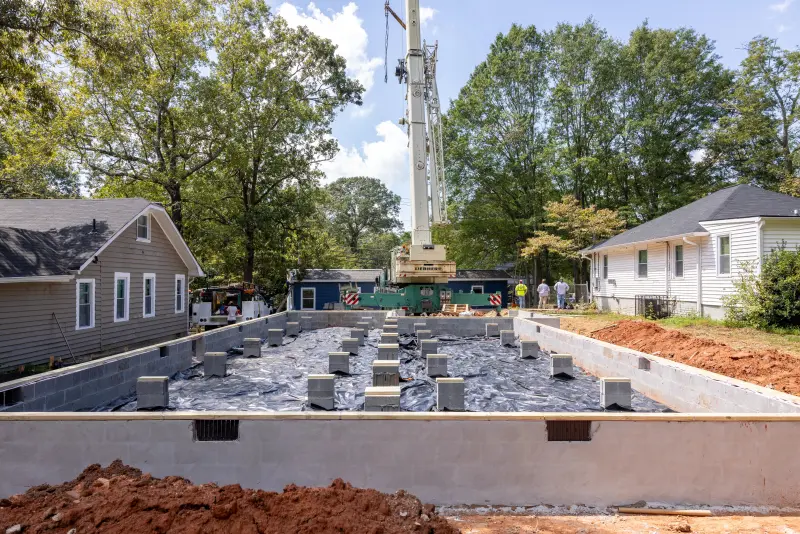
321	391
492	329
382	399
450	394
436	364
275	337
339	362
389	338
615	392
561	366
350	344
528	349
215	363
293	329
388	351
423	334
359	334
152	392
428	346
252	347
507	338
385	372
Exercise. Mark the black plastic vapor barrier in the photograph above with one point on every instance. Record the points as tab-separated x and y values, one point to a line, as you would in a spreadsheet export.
496	379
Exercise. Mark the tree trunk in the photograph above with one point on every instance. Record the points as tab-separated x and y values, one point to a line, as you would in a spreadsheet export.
176	205
250	254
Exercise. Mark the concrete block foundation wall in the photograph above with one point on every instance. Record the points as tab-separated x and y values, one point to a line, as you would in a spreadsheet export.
627	306
469	458
681	387
95	383
338	318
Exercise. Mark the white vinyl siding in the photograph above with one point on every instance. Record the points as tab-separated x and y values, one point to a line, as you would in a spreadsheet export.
743	248
84	303
780	231
180	293
143	228
122	296
149	295
308	298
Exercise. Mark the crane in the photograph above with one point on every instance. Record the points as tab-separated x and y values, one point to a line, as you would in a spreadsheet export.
420	270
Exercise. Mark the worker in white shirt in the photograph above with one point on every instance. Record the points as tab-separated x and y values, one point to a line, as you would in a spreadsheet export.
232	311
544	293
561	293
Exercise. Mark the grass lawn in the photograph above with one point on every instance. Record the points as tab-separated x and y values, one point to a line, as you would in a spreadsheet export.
738	337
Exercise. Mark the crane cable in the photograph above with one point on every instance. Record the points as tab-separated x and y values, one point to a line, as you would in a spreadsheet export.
386	49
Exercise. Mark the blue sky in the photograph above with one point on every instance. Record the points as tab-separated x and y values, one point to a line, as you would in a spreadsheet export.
372	143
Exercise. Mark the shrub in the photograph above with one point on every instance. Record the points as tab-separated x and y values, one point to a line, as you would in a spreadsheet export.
770	298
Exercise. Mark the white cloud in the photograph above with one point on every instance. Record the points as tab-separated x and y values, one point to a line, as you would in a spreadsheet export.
345	30
427	13
362	111
385	159
783	6
782	28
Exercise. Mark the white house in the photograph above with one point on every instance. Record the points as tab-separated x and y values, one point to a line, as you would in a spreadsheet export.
711	236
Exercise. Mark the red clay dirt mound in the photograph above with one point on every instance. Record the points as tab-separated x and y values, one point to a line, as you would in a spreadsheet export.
120	499
769	368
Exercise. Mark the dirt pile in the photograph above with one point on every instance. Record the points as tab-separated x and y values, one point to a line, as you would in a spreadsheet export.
769	368
120	499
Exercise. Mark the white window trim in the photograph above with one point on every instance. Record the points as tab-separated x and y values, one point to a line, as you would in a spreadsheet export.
127	278
182	278
636	264
78	283
719	253
314	289
145	277
675	262
149	229
472	288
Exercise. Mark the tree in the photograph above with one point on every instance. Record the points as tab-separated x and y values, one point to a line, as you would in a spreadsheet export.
31	163
375	250
151	117
499	159
359	206
570	229
585	87
672	86
759	141
282	89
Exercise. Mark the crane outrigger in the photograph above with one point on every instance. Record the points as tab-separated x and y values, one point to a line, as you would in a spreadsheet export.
420	270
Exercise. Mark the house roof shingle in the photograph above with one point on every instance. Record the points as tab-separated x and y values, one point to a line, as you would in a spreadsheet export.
735	202
481	274
54	237
341	275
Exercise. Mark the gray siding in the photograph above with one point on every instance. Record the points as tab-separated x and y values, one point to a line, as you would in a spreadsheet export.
29	334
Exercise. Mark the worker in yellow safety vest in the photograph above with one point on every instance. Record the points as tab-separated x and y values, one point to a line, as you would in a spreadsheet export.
520	291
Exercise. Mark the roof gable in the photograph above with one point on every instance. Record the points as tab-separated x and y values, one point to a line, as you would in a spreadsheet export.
737	202
46	238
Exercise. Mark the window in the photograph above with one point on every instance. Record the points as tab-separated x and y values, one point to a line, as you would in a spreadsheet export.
724	253
642	263
180	292
605	266
308	298
122	293
149	295
84	303
678	261
143	228
477	289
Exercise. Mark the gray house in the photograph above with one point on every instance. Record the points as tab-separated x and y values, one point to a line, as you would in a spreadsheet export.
84	277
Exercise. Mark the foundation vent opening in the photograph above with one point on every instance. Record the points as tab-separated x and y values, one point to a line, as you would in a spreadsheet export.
10	397
163	352
216	430
241	329
569	431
